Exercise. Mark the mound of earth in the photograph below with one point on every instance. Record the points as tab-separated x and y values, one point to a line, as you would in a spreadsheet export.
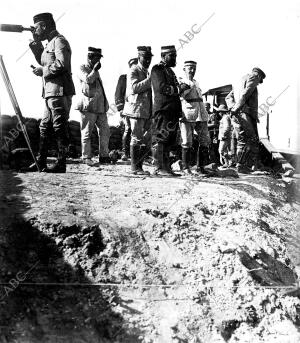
99	255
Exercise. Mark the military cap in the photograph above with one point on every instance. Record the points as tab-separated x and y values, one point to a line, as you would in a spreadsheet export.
190	63
144	50
43	17
259	71
167	49
132	61
95	51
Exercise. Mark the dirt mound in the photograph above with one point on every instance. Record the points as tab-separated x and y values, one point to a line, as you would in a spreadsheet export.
130	259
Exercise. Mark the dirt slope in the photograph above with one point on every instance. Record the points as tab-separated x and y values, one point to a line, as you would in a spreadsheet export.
96	255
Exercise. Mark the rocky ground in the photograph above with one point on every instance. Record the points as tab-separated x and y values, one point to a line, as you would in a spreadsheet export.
98	255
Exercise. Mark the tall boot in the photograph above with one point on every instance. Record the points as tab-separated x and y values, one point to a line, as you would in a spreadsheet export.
60	165
242	157
143	153
160	163
185	157
202	159
136	167
41	157
125	147
167	163
134	153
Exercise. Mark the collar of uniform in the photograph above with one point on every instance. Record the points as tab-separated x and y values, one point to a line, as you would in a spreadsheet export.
52	34
142	68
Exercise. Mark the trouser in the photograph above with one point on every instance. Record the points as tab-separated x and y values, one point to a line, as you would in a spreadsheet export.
140	131
187	134
225	150
126	135
247	139
164	128
140	144
55	116
88	122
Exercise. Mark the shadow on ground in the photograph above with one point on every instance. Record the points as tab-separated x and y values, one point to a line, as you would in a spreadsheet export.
47	313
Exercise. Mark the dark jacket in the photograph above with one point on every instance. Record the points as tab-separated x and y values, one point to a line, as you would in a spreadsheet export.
121	92
246	96
138	93
55	59
162	77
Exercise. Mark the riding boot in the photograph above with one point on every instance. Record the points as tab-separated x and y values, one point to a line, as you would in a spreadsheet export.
202	159
41	157
60	164
185	157
125	148
143	153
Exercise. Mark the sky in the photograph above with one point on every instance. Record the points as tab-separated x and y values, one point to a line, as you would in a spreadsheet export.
233	37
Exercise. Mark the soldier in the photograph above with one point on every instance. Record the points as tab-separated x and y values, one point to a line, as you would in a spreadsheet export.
245	116
93	106
166	109
195	117
225	130
120	94
58	88
213	129
138	108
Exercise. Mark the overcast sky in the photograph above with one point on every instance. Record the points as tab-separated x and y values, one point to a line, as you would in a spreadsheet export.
234	36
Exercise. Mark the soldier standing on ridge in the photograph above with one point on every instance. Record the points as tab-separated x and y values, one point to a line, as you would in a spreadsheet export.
120	95
58	88
93	106
166	109
138	108
245	117
195	117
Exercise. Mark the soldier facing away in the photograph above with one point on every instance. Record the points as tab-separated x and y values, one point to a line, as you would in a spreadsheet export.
245	119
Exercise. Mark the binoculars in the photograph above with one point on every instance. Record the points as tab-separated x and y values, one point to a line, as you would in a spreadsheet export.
14	28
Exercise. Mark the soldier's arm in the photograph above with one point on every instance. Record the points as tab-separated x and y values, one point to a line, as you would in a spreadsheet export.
62	59
230	100
37	49
250	86
136	85
120	93
159	83
184	89
86	75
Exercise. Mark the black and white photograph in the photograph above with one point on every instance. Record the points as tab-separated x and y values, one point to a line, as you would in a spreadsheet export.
149	171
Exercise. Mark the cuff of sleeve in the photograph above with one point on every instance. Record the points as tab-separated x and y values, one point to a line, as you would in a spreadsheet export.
46	72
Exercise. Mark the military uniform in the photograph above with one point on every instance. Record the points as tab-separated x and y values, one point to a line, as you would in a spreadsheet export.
195	118
245	110
138	108
58	89
120	97
93	106
166	111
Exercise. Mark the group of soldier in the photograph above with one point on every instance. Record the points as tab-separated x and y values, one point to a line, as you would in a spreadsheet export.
154	105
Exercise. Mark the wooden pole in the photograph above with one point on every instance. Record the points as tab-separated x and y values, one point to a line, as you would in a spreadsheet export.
16	107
